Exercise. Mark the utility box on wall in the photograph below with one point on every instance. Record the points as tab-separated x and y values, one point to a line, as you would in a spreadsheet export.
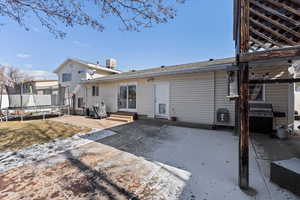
232	84
223	115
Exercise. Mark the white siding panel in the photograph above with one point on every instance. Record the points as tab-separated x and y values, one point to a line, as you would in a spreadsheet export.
108	94
221	100
5	101
192	98
297	101
145	98
92	100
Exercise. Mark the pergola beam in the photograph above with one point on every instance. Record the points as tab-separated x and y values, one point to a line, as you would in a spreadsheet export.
274	22
286	53
274	12
268	29
271	81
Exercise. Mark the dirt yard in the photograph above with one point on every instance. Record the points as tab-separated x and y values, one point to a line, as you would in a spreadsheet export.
16	135
88	122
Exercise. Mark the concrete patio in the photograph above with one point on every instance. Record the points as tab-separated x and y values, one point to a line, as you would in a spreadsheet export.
144	160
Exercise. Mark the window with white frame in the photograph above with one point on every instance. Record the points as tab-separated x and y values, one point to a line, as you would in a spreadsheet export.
66	77
80	102
257	92
297	87
95	91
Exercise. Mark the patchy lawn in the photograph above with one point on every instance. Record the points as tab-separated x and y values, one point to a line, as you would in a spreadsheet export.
16	135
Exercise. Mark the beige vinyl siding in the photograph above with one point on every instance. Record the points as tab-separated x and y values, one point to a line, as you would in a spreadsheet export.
108	94
192	98
145	98
221	100
277	94
196	98
297	101
46	84
91	100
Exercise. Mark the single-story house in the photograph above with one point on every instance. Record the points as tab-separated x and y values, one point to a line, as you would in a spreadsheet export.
192	92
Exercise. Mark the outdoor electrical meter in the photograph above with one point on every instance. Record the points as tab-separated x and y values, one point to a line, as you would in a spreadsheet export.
232	85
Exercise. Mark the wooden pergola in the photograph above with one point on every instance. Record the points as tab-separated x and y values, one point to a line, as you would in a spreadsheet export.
264	30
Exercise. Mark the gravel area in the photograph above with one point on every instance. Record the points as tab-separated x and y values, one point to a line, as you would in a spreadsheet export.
12	159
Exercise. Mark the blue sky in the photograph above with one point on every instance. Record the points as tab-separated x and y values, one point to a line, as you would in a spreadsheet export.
201	30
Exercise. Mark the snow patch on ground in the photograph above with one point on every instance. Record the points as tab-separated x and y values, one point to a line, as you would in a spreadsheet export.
37	152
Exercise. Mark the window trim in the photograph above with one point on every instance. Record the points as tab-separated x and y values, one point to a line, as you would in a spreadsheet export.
118	92
62	77
263	94
82	105
295	86
94	93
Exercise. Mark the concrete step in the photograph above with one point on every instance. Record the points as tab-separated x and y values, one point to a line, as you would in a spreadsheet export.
286	174
120	119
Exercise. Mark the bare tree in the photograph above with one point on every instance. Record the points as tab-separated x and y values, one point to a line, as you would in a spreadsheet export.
2	79
14	76
133	14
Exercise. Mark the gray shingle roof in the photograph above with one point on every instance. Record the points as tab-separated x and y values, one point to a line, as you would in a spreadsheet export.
213	65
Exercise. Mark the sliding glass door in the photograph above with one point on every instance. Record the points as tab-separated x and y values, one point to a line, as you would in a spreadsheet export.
123	97
127	97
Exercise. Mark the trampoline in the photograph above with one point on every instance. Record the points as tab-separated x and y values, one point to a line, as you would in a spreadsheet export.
25	103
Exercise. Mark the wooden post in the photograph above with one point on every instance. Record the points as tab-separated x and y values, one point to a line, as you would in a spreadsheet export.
242	47
74	104
21	101
6	114
244	128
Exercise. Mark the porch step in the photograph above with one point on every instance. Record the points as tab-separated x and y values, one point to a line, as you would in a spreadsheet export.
120	119
122	116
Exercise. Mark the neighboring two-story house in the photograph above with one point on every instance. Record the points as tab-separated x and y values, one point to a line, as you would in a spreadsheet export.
70	75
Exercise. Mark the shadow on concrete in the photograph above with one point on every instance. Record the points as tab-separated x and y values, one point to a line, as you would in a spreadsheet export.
274	149
95	178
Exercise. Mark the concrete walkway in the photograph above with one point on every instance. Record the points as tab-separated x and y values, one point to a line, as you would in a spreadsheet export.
143	161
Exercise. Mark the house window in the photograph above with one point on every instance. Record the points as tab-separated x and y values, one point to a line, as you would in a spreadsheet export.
297	87
257	92
80	102
66	77
162	108
47	91
95	91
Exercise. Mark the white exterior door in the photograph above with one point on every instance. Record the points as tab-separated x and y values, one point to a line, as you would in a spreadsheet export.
162	90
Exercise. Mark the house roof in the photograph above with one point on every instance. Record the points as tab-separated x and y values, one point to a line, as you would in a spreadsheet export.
87	64
37	80
203	66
